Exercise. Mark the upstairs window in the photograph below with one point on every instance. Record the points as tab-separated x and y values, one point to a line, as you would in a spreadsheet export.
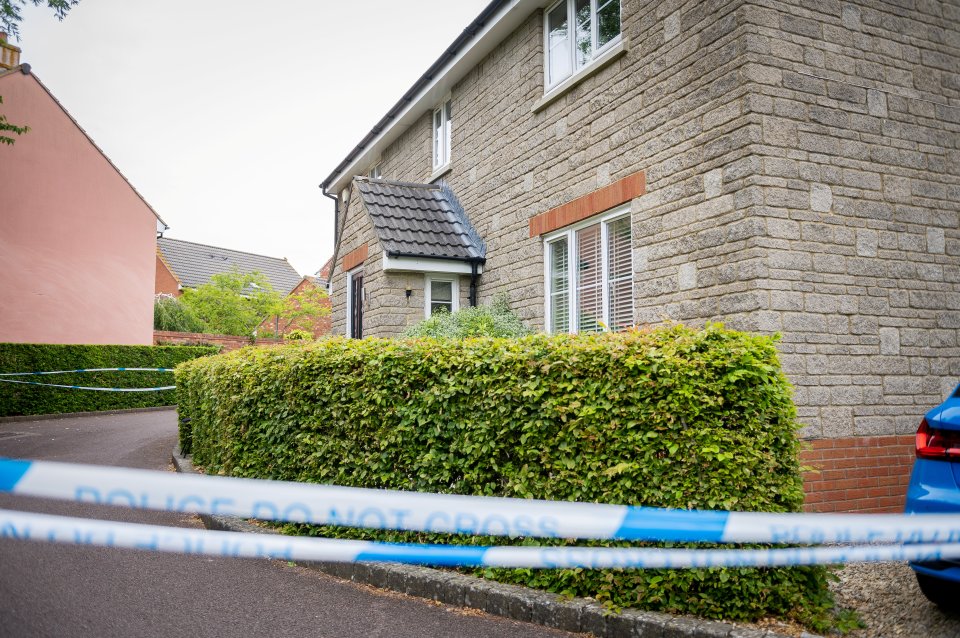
590	276
577	31
442	122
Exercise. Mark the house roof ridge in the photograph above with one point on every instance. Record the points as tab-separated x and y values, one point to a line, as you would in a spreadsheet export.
232	250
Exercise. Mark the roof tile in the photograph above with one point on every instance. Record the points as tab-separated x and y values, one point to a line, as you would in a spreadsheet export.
420	220
194	264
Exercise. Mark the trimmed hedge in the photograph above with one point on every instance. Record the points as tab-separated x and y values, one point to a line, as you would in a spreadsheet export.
671	417
18	399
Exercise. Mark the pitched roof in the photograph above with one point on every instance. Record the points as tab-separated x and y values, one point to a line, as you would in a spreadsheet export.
194	264
420	220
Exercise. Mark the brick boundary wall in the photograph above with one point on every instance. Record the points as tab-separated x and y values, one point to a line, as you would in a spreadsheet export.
858	474
228	343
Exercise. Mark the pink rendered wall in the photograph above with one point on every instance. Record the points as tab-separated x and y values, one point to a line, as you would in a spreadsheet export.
77	244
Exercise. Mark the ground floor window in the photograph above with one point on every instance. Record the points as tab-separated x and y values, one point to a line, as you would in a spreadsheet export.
589	275
442	294
355	298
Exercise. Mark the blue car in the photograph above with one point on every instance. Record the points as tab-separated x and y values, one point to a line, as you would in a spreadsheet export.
935	488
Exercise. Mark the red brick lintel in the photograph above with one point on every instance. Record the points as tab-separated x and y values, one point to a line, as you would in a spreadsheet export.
590	204
355	257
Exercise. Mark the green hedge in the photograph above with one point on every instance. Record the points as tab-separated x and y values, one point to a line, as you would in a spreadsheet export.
671	417
19	399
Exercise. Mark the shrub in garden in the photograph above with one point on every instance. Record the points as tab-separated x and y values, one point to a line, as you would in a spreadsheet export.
495	320
672	417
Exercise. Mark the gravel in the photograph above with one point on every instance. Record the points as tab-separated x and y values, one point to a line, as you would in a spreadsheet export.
890	603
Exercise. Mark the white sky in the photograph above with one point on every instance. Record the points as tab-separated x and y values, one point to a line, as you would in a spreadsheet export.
226	116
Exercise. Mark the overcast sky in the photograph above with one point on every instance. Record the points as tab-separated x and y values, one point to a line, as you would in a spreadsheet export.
226	116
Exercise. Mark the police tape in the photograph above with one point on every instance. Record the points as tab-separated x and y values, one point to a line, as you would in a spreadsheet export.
92	388
448	513
24	374
81	531
85	387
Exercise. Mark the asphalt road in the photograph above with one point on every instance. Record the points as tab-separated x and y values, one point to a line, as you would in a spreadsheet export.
66	591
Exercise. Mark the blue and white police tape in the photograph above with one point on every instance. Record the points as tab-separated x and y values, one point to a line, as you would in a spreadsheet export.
92	388
80	531
447	513
24	374
85	387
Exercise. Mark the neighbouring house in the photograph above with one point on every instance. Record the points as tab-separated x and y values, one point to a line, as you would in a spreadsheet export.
77	241
787	168
185	264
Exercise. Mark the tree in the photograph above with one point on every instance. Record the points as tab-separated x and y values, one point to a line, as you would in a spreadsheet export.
7	127
10	13
10	24
233	303
303	309
170	314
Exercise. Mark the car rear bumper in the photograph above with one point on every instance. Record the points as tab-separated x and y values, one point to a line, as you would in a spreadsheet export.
934	489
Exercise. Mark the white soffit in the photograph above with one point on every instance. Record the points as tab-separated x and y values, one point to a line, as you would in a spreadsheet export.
414	264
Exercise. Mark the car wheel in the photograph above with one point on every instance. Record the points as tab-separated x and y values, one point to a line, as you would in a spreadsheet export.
943	593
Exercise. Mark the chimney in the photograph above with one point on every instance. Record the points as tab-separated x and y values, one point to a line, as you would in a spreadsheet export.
9	54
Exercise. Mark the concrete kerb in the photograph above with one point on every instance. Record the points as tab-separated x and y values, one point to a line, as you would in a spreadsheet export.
73	415
576	615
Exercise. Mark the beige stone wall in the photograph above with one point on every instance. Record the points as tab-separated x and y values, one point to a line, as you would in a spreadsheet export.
803	177
860	181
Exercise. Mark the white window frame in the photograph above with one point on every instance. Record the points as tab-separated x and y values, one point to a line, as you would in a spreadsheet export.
375	172
427	291
570	234
441	151
595	52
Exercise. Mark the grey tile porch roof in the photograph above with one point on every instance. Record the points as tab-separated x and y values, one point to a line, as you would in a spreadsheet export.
420	220
193	264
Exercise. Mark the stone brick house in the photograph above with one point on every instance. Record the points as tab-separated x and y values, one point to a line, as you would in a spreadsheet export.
779	167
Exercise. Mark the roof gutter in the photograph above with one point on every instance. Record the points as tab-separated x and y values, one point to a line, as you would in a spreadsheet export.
469	260
466	36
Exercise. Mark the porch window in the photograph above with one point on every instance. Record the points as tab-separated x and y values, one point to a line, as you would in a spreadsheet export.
590	275
442	295
576	32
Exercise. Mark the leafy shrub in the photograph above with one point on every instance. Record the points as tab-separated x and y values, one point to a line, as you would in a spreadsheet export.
19	399
496	320
299	335
170	314
670	417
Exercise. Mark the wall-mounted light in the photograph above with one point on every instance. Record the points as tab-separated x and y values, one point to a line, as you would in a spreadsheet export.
409	292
